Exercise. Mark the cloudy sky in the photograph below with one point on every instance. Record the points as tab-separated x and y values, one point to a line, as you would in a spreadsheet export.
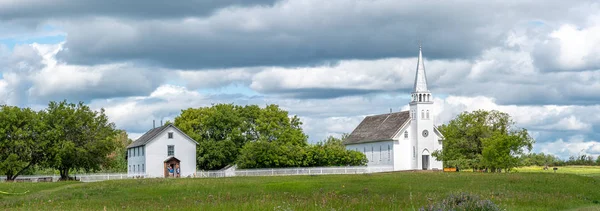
330	62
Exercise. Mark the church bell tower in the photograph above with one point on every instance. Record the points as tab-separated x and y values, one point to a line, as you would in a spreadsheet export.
421	114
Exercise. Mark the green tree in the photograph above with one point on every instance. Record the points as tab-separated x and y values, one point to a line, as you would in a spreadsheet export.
483	139
117	161
222	130
21	140
81	138
270	154
332	152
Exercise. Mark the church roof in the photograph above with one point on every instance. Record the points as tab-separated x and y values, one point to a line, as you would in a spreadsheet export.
420	77
378	128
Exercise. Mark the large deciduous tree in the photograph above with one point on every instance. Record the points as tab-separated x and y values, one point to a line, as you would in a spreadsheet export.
483	139
223	129
80	137
117	161
21	140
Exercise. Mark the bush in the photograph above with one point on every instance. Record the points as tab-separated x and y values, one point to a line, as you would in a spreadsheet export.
463	201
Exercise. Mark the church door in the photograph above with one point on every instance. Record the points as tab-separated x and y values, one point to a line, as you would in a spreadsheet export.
425	160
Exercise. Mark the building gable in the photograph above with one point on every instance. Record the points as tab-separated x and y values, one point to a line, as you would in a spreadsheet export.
149	136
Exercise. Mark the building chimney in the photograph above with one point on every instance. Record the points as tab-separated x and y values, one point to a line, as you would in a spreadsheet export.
153	124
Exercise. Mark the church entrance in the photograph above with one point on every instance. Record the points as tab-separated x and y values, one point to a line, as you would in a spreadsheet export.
171	165
425	159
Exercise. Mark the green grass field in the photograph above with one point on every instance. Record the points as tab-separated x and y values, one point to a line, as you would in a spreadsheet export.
385	191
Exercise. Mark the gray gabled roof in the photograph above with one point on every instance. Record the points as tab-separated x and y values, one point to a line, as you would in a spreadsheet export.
148	136
378	128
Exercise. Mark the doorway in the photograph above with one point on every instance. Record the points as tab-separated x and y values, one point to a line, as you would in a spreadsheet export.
173	163
425	159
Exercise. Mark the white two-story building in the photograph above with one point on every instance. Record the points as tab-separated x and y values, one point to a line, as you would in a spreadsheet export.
160	148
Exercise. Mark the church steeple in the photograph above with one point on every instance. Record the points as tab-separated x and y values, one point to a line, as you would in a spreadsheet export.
420	77
420	93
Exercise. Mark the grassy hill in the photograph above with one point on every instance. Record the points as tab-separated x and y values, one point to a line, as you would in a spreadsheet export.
386	191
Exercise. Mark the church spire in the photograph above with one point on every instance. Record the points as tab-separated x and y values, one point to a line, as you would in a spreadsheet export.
420	77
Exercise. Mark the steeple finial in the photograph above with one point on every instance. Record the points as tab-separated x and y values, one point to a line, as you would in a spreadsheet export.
420	77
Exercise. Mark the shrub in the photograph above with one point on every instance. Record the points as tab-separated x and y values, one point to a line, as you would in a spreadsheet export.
462	201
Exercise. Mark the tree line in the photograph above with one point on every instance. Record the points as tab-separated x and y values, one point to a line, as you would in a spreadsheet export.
541	159
64	136
255	137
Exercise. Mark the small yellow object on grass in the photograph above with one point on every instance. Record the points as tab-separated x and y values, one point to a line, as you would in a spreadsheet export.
7	193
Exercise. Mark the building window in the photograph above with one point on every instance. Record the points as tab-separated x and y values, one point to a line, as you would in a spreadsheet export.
380	153
372	158
389	153
422	114
405	134
129	152
143	150
143	169
365	150
170	135
133	149
129	168
427	114
170	150
133	168
138	168
414	152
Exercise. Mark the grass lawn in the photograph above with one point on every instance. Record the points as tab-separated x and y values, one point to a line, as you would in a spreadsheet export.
385	191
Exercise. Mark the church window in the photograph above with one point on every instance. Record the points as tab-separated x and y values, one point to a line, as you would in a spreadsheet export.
129	168
143	169
422	114
405	134
133	168
143	150
420	97
389	154
138	168
380	153
170	134
427	114
365	150
372	158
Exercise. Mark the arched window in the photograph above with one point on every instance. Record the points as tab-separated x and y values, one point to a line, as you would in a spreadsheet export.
420	97
389	154
372	153
380	153
405	134
422	114
427	114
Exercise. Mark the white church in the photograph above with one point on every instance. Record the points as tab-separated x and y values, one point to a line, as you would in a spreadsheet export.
402	140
